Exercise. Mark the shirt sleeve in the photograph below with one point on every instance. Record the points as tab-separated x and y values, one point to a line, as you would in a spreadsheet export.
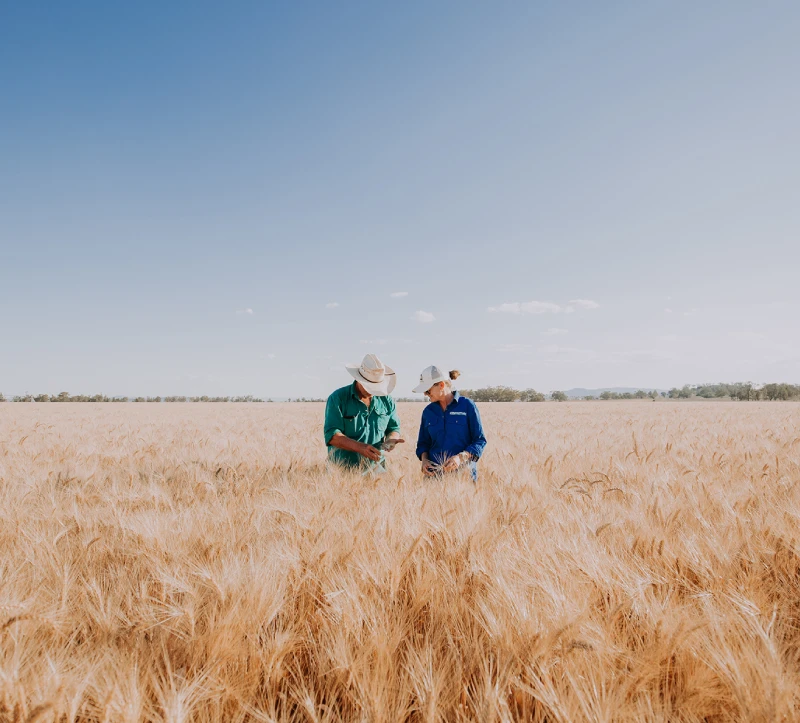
424	440
394	422
477	440
334	420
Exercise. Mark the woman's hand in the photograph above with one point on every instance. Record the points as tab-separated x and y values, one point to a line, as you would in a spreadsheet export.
453	463
428	468
456	461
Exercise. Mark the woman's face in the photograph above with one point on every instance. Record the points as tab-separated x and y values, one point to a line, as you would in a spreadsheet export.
436	392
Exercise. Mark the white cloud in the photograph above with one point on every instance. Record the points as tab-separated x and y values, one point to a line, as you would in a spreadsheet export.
539	307
560	355
527	307
424	317
331	304
398	294
572	356
543	307
667	311
270	356
639	356
743	335
249	312
691	312
384	342
505	308
555	332
585	303
513	347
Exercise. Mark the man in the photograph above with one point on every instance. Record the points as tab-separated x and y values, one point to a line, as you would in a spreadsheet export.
361	419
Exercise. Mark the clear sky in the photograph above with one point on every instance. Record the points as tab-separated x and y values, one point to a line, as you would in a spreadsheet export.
230	198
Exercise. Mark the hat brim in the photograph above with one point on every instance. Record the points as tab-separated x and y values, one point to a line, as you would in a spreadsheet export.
377	389
423	387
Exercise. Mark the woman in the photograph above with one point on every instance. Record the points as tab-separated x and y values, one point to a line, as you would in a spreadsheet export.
451	433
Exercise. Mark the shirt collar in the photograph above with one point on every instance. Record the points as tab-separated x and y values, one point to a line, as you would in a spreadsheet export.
375	399
456	397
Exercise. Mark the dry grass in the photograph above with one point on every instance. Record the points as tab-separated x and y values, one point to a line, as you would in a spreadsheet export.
617	561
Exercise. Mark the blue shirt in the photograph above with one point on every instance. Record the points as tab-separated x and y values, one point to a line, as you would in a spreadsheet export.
444	433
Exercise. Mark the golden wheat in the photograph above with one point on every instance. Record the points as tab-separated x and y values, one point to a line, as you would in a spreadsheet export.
615	562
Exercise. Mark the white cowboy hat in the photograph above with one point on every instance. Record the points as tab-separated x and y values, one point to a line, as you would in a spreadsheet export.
373	375
429	377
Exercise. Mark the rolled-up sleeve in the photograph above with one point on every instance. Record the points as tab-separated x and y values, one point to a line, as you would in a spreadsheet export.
424	440
477	439
334	420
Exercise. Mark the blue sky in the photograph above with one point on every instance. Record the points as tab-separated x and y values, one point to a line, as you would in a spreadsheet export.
198	198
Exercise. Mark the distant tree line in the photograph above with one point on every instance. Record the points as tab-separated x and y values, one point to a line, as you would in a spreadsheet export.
67	397
508	394
740	391
638	394
504	394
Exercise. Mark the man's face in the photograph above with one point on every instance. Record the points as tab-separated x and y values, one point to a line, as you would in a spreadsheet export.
361	391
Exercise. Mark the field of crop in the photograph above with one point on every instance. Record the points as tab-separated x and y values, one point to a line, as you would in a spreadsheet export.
621	561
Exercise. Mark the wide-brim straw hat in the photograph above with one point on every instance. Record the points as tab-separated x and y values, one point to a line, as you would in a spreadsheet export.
372	374
429	377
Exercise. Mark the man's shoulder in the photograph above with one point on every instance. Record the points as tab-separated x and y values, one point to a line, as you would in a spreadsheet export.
340	393
387	403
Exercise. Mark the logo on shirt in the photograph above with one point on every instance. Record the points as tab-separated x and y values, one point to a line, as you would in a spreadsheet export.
461	414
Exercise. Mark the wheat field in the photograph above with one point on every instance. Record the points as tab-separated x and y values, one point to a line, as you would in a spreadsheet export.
620	561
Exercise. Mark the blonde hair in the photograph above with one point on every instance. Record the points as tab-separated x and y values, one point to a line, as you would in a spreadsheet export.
453	374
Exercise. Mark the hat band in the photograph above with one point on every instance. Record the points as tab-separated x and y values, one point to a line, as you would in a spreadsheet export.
366	378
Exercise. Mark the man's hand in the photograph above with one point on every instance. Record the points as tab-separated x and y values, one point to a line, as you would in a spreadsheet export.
390	442
370	452
351	445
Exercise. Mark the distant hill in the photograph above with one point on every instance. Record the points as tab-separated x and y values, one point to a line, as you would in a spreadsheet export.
579	392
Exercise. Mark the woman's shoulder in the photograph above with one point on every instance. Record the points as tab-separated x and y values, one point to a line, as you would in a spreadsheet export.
467	405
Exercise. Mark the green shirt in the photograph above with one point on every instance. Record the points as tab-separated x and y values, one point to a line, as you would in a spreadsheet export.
347	414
